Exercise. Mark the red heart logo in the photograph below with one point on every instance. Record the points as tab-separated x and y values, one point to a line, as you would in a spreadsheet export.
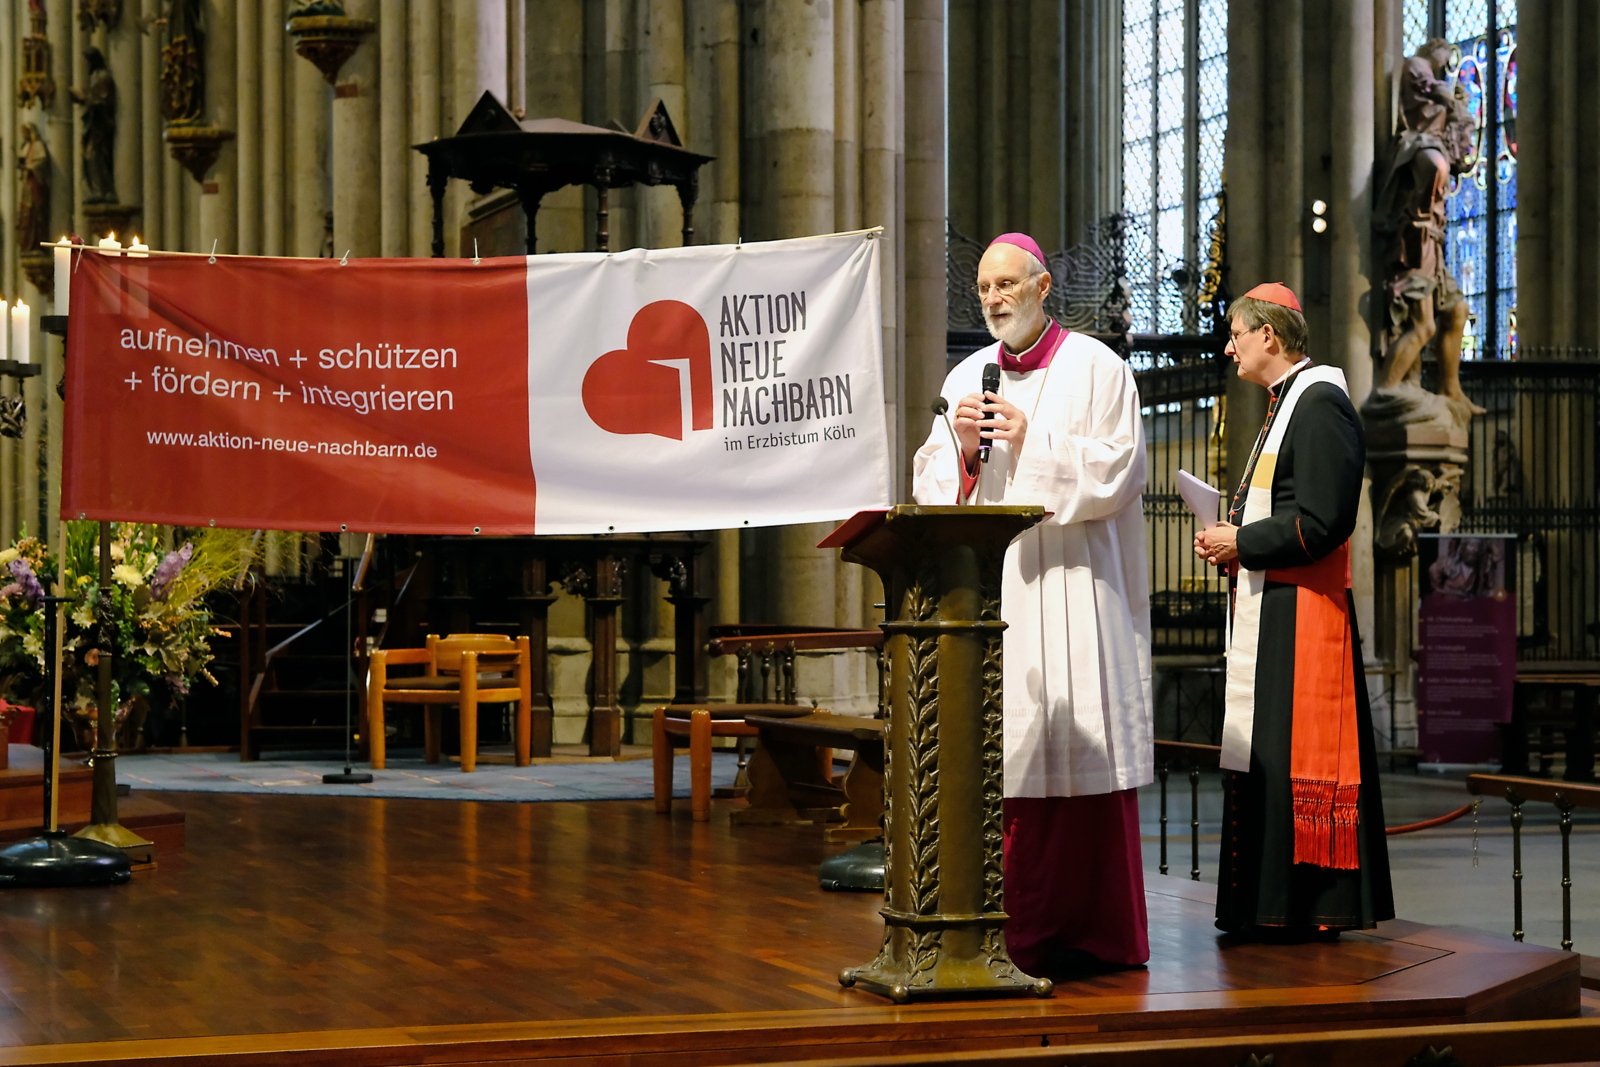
630	390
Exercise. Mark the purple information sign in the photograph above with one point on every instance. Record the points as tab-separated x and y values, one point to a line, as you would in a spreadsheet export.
1467	646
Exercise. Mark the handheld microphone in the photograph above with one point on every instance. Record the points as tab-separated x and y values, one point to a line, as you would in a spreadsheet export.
991	384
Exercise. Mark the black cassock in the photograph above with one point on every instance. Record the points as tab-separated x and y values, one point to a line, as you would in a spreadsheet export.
1316	493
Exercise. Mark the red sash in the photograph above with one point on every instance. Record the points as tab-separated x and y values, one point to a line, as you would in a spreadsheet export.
1325	754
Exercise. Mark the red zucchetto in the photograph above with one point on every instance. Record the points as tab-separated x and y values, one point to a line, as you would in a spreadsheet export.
1275	293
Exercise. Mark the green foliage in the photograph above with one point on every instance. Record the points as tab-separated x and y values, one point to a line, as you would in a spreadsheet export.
152	615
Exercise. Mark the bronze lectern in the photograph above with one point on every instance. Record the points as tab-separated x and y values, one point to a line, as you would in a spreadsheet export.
942	912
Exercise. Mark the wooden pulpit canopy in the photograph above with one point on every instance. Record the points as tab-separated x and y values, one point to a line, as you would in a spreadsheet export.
492	150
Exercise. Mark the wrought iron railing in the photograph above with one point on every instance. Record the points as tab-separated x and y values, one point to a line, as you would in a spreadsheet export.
1533	470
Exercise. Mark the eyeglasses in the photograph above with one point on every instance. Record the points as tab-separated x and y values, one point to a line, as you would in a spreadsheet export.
1236	334
1005	286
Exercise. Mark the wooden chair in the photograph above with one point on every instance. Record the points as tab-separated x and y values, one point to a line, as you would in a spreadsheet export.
461	669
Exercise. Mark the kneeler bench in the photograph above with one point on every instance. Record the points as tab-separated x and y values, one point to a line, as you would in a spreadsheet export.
791	776
695	725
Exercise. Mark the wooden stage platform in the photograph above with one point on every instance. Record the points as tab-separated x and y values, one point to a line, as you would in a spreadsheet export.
311	930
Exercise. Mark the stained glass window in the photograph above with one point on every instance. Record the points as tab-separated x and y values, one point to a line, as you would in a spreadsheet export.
1481	211
1175	100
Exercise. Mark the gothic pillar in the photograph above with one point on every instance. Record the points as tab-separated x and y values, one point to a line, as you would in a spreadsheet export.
883	142
797	96
618	98
1045	107
394	148
357	212
1352	82
249	181
426	86
555	55
274	170
308	152
847	85
663	64
923	253
1251	91
964	115
219	214
145	97
715	94
1534	156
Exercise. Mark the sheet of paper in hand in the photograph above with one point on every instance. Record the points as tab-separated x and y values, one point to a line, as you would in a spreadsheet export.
1201	497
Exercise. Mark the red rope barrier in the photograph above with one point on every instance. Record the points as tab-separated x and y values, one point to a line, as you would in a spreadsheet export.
1428	824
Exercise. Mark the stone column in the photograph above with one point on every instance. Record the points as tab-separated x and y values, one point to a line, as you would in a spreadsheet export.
145	96
994	145
1047	130
964	114
798	109
883	145
1353	87
925	311
477	35
618	69
218	213
662	59
394	144
308	152
715	95
426	88
555	55
1245	161
248	177
1094	115
274	168
357	213
847	95
1534	236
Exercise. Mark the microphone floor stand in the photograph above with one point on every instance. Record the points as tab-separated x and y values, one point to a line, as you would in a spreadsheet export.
349	776
53	858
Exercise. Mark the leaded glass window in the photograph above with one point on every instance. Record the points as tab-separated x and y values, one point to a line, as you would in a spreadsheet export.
1174	120
1481	211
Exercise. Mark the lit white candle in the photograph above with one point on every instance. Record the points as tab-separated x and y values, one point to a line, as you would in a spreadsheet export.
5	334
21	323
63	257
110	243
138	249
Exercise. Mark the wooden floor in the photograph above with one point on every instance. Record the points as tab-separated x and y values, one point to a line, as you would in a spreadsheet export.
356	931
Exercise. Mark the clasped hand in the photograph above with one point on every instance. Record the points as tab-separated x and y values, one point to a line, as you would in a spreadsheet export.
1217	544
1009	424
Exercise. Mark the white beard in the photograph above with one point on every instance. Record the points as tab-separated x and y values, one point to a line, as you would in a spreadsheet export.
1020	325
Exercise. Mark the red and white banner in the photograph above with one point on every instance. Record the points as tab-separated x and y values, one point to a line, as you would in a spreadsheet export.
695	388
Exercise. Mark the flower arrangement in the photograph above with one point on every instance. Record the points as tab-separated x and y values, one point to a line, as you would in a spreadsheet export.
154	615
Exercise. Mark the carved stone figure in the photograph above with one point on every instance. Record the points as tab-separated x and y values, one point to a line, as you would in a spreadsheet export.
1434	143
33	201
99	100
183	74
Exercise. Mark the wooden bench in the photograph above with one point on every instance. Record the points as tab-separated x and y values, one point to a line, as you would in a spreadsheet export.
1538	711
766	687
789	783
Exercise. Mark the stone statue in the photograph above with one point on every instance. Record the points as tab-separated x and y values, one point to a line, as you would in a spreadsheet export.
1434	143
33	200
99	100
183	72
